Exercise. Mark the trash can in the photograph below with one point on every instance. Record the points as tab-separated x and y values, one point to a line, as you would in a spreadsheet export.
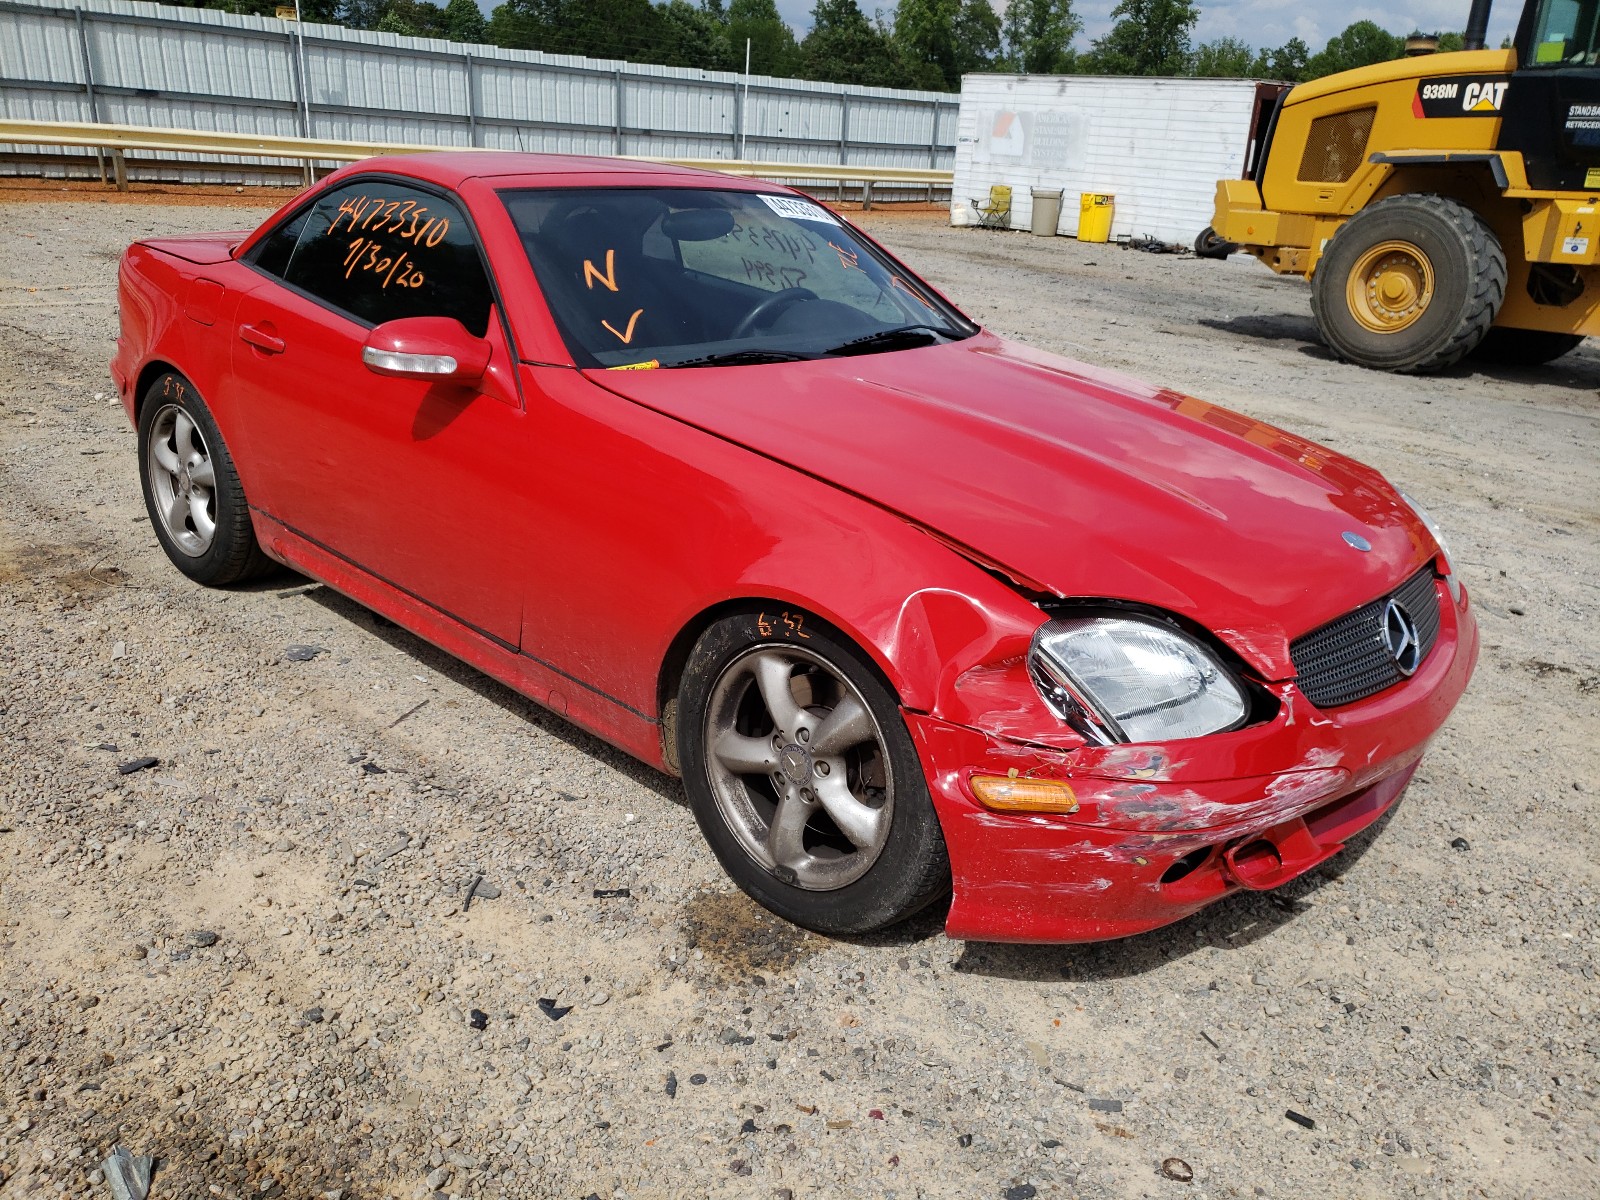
1094	216
1046	212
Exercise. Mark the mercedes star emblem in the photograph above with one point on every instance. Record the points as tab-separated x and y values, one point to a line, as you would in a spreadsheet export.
1400	636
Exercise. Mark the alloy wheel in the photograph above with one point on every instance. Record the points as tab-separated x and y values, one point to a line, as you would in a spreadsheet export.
799	767
182	481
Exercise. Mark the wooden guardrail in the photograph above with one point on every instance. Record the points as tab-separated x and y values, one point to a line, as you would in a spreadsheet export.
118	138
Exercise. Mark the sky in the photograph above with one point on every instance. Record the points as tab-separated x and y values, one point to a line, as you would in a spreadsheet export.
1265	22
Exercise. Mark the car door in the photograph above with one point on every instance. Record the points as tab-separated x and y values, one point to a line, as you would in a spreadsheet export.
415	482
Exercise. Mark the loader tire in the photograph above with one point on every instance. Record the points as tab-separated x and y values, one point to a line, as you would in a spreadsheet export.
1409	284
1525	347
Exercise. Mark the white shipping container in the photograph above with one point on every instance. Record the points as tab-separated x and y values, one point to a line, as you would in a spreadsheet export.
1158	145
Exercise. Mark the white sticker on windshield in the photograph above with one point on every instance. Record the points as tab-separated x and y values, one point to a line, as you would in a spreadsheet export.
797	209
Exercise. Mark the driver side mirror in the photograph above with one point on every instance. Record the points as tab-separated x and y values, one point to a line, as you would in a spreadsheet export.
432	349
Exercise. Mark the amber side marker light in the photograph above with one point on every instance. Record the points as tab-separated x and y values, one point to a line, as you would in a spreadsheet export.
1024	795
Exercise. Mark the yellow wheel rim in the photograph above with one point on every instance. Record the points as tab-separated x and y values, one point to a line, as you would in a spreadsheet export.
1390	287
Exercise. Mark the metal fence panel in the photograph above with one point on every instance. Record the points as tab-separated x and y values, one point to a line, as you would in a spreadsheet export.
360	76
681	106
37	104
150	64
416	130
513	91
47	43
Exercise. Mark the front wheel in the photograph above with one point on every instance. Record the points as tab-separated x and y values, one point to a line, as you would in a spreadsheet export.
1409	284
803	777
191	490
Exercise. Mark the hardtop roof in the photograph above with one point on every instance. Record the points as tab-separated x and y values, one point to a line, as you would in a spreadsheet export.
451	168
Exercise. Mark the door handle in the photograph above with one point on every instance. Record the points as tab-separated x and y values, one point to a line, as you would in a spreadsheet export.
261	339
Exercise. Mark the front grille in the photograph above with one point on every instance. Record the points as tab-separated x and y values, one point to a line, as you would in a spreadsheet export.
1347	659
1336	146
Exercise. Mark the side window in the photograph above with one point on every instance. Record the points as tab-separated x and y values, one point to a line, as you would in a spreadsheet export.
272	256
1564	33
380	250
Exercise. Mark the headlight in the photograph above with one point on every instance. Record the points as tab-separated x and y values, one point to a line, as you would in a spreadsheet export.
1121	679
1433	528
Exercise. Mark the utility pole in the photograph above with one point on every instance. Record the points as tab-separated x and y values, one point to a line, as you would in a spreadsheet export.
744	109
305	86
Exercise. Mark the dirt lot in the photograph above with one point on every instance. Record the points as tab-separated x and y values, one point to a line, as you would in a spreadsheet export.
254	960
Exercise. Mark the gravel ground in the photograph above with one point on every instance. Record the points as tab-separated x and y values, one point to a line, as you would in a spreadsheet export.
255	959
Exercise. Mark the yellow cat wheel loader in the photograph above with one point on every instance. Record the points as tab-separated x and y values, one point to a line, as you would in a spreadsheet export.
1441	204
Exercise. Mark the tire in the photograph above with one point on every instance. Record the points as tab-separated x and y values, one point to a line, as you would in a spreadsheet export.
1525	347
191	490
1409	284
1209	245
748	774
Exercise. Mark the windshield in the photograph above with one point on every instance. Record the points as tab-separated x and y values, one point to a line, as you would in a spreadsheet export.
681	277
1564	33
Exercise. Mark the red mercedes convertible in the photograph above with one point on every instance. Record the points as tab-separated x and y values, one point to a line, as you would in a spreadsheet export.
915	611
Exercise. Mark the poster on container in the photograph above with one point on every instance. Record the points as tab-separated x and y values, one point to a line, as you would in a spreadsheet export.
1031	138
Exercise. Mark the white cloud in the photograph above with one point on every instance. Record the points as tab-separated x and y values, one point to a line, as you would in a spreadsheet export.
1273	22
1261	22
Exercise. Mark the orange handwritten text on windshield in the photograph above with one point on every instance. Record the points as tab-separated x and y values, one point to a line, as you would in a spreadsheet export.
608	278
896	282
625	338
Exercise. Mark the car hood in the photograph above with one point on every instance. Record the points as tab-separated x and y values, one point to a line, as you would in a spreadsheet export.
1074	481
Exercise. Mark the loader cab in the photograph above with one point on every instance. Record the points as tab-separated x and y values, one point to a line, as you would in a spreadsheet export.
1552	108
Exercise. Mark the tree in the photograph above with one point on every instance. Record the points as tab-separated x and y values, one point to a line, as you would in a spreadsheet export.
361	14
977	38
1226	58
772	45
463	22
1286	63
1360	45
844	47
1150	37
925	36
253	8
325	11
693	37
521	24
412	18
625	29
1038	36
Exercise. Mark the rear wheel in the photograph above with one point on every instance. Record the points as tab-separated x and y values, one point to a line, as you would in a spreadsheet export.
1409	284
1526	347
191	490
803	777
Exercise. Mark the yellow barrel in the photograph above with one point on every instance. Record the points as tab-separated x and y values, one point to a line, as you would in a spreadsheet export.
1094	216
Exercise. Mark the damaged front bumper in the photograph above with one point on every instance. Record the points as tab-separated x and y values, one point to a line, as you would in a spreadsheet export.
1163	830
